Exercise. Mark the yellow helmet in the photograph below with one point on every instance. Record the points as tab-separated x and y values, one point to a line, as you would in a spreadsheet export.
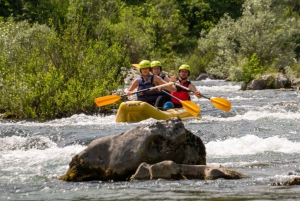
144	64
155	63
184	67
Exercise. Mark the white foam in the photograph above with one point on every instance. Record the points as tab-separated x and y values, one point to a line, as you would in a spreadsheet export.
25	143
78	119
256	115
213	89
22	165
251	144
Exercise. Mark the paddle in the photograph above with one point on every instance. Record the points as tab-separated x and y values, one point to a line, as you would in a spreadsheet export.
110	99
135	65
220	103
189	106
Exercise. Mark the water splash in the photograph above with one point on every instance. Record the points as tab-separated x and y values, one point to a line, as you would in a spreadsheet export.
251	144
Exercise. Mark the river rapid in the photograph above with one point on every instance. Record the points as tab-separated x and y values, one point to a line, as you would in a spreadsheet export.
259	137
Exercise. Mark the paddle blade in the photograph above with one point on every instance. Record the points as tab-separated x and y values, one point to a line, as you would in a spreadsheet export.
221	103
191	107
135	65
106	100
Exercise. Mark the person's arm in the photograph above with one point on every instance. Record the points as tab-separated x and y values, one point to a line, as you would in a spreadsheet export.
133	86
193	88
167	79
159	81
173	78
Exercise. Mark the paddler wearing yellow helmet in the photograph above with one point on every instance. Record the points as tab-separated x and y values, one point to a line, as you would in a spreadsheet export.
147	81
183	73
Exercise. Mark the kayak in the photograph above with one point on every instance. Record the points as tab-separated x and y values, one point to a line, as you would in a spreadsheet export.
135	111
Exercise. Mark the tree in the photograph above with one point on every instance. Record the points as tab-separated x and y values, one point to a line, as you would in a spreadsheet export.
261	31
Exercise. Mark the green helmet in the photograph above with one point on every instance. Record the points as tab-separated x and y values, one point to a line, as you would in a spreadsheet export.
155	63
144	64
184	67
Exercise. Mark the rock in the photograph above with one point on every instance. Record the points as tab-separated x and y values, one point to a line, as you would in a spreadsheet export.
268	81
131	75
294	181
142	173
165	170
257	84
117	157
171	170
281	81
202	76
208	172
295	82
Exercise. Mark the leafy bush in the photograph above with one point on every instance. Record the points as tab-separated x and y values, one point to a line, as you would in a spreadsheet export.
262	30
47	76
251	69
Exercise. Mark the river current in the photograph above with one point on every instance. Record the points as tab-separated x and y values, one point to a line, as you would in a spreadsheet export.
259	137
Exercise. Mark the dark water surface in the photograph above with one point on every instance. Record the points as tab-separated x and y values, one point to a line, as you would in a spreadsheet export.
258	137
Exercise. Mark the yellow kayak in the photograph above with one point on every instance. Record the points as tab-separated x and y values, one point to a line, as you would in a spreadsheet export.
135	111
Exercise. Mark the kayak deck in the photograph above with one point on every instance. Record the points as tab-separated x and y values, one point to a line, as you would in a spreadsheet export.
135	111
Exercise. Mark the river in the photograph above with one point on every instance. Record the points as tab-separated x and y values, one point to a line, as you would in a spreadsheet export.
259	137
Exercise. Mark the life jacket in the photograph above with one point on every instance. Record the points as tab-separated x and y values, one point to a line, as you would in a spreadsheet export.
160	92
147	96
181	93
162	76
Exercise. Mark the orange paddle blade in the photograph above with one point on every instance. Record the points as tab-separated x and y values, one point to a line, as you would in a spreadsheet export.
221	103
191	107
106	100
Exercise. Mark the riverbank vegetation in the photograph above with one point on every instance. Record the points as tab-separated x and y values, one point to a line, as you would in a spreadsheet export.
57	56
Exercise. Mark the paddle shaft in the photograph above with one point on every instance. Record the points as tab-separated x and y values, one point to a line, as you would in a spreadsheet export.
187	89
110	99
149	89
171	95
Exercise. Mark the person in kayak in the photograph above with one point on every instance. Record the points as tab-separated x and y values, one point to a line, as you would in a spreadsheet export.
156	69
183	74
146	81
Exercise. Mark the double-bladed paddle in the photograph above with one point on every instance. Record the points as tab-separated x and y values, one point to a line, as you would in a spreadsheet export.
189	106
110	99
220	103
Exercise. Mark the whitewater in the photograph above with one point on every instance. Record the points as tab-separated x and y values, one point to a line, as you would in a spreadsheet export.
258	137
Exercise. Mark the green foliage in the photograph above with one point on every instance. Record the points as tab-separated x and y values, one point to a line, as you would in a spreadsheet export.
292	71
204	14
251	69
261	30
198	63
45	76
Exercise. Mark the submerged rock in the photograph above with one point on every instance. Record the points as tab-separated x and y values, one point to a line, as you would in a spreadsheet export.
171	170
294	181
117	157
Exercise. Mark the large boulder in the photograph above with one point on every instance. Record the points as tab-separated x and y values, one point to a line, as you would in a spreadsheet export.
281	81
117	157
